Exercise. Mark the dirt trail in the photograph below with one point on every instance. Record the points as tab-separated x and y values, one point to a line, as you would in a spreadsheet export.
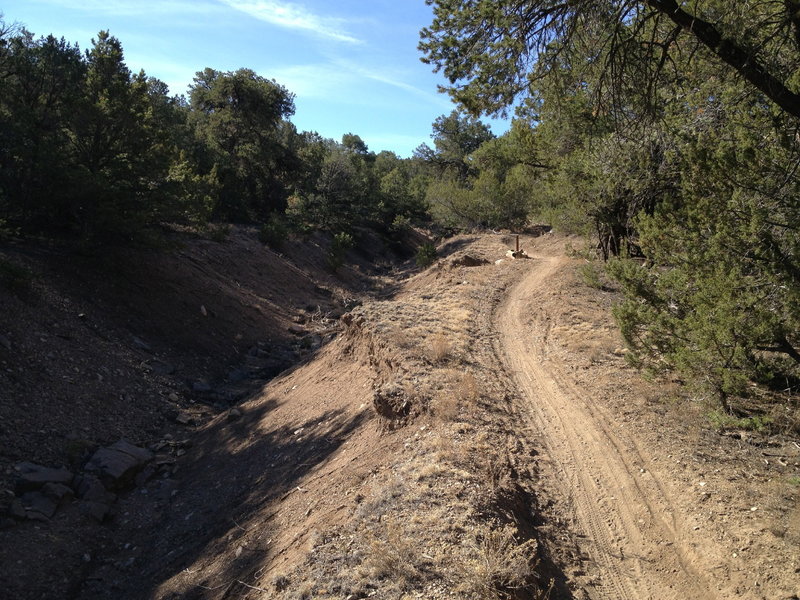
628	524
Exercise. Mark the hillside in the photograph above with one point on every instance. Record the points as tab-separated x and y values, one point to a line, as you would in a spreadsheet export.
466	431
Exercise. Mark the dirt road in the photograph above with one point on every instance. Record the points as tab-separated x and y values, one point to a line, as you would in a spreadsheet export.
621	513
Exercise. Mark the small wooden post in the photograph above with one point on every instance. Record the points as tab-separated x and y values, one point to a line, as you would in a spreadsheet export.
517	242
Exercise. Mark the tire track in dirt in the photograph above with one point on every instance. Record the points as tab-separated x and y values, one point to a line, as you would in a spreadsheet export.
622	514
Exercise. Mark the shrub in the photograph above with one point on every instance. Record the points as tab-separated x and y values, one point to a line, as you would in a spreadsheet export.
342	242
274	232
426	255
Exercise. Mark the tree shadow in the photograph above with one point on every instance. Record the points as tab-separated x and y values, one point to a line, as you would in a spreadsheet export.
236	471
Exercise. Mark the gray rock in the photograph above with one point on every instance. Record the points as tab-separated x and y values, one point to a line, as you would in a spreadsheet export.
5	342
141	344
38	507
33	477
58	492
234	414
162	368
297	330
98	511
142	454
89	487
145	475
237	375
117	465
185	418
201	386
17	510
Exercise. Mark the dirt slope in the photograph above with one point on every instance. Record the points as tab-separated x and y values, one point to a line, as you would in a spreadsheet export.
470	431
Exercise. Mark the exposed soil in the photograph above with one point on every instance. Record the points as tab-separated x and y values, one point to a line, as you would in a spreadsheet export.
468	431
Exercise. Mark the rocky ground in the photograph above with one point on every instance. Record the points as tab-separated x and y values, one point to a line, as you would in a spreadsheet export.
225	421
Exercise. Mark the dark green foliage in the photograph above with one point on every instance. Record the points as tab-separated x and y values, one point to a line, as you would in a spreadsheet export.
87	146
341	243
92	151
426	255
274	232
239	119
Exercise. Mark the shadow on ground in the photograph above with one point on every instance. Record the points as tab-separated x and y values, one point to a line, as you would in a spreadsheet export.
237	473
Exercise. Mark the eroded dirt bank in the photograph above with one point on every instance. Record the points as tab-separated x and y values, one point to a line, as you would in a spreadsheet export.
469	431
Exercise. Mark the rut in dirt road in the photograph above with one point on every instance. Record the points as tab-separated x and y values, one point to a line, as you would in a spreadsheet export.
629	527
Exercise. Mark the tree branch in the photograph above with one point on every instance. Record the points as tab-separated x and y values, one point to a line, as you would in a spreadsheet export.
734	55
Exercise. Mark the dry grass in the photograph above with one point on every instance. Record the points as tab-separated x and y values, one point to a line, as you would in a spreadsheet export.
392	555
500	565
468	389
446	406
440	350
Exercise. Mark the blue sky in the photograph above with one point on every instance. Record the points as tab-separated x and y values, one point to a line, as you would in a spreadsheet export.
353	64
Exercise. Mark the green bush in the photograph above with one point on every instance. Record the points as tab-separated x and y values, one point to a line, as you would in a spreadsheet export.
274	232
342	242
426	255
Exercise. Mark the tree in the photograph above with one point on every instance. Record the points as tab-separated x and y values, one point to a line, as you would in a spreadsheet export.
40	83
492	51
238	118
119	165
667	155
455	137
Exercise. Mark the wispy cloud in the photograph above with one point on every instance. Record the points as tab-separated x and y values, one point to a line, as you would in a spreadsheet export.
294	16
314	81
392	80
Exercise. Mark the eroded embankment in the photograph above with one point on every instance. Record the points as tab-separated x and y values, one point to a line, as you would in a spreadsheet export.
383	465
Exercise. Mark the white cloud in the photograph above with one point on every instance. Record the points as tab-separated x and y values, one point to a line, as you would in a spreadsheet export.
294	16
314	81
394	81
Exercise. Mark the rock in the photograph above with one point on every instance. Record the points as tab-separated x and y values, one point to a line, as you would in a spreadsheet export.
145	475
118	464
58	493
33	477
17	510
297	330
162	368
88	487
38	507
237	375
5	342
142	454
98	511
234	414
185	418
163	460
